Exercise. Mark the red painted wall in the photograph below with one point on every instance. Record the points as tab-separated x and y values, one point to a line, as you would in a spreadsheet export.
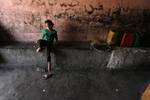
75	20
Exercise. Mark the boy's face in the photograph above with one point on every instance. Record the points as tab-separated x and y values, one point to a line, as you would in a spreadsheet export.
48	25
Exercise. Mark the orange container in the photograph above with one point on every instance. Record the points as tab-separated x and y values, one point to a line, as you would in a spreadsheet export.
111	38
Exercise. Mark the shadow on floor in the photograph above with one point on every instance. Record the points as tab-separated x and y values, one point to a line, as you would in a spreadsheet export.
6	69
2	60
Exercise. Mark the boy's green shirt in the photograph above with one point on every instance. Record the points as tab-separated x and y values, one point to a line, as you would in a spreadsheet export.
49	36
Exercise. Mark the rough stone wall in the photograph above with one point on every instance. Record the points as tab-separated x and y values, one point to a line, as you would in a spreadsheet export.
75	20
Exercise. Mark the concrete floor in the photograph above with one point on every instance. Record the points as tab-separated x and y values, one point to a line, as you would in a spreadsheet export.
79	74
89	84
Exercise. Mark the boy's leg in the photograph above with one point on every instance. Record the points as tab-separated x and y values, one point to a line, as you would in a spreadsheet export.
49	67
46	76
41	44
49	59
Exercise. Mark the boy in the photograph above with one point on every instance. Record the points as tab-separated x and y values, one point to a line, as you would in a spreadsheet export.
47	41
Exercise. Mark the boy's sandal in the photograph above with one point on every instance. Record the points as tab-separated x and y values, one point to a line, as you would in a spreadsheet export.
46	76
38	50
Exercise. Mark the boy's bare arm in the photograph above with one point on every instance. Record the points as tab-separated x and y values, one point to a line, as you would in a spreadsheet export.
56	38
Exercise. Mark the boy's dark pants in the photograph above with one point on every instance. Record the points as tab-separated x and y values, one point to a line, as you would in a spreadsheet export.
48	45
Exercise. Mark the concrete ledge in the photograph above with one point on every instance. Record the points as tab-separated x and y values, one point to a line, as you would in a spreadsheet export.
129	58
68	58
75	57
20	57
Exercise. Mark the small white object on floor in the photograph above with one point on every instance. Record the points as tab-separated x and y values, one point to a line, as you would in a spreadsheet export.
44	90
117	90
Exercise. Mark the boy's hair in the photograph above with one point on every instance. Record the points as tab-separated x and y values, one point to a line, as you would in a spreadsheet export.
49	22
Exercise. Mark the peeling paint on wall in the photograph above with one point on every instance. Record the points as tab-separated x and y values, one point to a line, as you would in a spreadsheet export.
72	18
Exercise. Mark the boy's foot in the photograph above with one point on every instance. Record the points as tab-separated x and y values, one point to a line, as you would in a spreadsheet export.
38	50
46	76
